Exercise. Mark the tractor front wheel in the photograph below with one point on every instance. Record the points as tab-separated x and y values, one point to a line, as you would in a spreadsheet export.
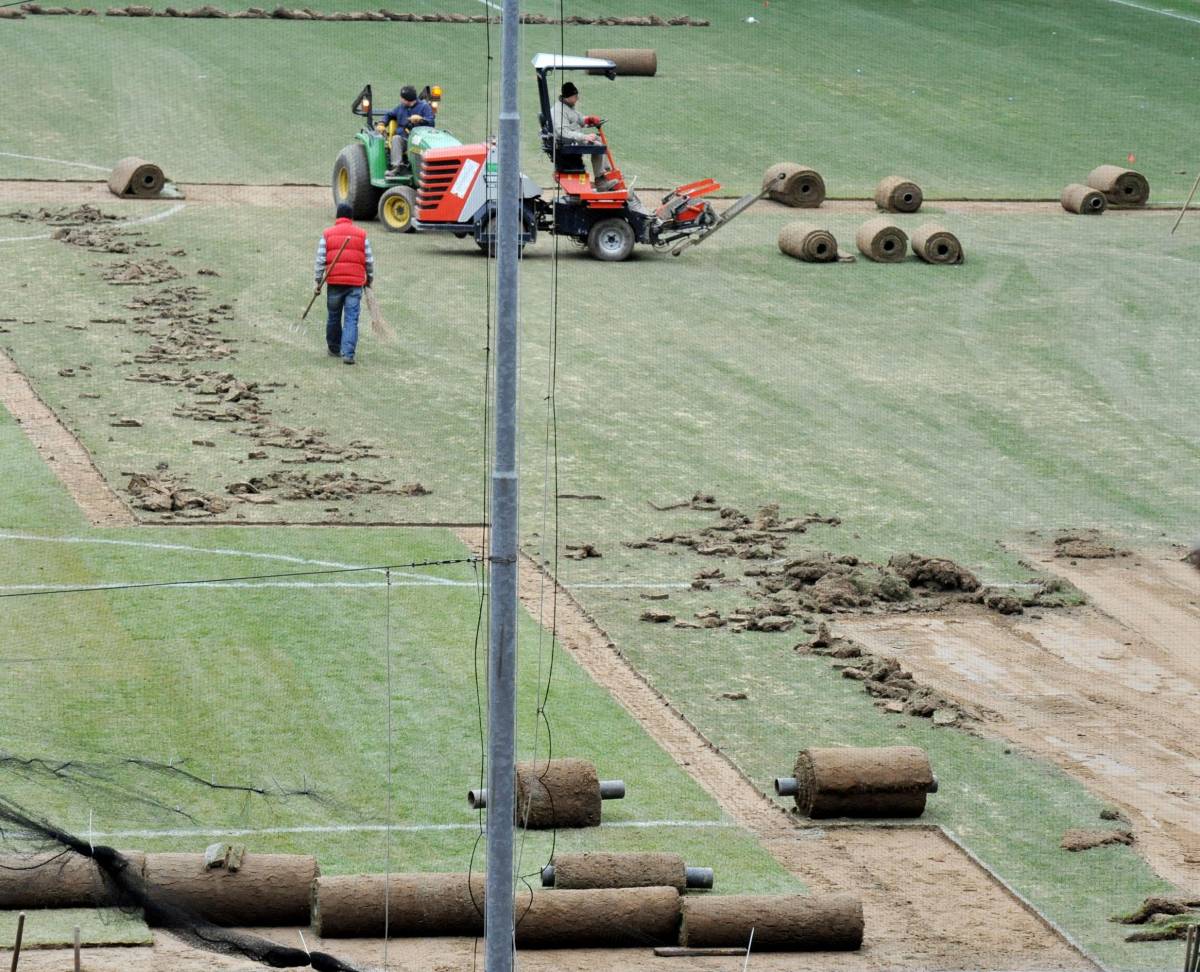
611	240
396	207
352	182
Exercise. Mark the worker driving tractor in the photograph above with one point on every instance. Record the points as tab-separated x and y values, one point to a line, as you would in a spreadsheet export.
570	127
411	113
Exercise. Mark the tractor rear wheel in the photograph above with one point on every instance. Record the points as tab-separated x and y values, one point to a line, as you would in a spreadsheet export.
396	208
352	182
611	240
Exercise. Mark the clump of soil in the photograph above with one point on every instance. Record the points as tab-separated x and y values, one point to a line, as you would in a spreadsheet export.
933	572
325	487
1079	839
163	494
1193	556
897	689
131	272
1086	545
82	215
1163	918
582	551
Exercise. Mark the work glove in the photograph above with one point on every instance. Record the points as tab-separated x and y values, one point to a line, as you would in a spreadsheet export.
591	120
416	120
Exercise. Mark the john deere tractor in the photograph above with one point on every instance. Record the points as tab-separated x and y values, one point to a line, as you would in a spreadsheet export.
369	180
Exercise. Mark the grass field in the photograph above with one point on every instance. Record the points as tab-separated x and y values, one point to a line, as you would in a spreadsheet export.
980	100
1044	384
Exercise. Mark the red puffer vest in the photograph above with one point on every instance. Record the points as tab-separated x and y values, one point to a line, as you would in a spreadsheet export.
351	269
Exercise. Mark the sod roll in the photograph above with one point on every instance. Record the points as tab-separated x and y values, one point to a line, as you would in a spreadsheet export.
597	918
423	905
783	922
883	781
630	61
136	177
55	880
557	793
1077	198
895	194
794	185
1121	187
933	243
881	240
266	890
807	242
597	869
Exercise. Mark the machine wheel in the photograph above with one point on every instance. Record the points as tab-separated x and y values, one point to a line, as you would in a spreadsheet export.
352	182
611	240
396	208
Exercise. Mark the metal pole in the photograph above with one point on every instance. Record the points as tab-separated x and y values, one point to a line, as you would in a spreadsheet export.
502	607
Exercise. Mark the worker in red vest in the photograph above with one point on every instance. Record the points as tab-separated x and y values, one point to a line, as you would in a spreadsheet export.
344	275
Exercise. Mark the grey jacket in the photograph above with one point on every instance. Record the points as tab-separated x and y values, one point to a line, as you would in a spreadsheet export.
566	122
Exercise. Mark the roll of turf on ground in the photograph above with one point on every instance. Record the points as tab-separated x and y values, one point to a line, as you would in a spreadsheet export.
882	241
597	918
630	61
557	793
794	185
933	243
136	177
807	242
422	905
1077	198
895	194
57	880
882	781
266	890
783	922
597	869
1121	187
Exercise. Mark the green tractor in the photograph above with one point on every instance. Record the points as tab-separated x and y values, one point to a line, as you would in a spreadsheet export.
361	174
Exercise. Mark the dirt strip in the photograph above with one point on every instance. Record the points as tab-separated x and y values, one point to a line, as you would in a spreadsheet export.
914	881
63	453
69	193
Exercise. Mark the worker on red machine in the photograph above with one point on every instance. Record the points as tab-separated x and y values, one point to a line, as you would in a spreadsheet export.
409	114
345	265
570	126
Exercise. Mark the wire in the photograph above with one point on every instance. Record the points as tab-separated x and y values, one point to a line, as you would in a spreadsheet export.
387	838
243	577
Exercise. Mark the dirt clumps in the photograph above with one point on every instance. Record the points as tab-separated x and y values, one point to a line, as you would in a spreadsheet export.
325	487
1163	918
582	551
1081	839
129	272
1086	545
933	572
162	494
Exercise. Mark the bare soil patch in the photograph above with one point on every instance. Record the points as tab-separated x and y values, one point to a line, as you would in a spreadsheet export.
63	453
1110	692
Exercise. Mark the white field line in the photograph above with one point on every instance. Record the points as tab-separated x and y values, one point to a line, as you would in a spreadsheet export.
42	158
156	217
381	828
1156	10
488	3
115	586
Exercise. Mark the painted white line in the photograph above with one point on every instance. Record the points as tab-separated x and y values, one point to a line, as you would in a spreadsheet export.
1156	10
488	3
116	224
42	158
115	586
382	828
219	551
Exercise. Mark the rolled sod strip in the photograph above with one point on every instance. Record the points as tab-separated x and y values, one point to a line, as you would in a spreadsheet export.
630	61
266	890
423	905
882	241
1078	198
882	781
807	242
54	880
600	869
1121	187
784	922
136	177
557	793
895	194
794	185
597	918
933	243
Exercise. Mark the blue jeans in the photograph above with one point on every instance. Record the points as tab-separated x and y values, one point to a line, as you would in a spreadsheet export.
341	330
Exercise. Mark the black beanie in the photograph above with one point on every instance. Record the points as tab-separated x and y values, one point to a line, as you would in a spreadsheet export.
344	211
408	93
568	89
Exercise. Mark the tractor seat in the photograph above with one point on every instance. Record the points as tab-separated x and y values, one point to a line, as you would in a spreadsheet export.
564	147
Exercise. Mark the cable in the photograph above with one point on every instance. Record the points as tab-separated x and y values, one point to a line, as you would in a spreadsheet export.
387	838
387	568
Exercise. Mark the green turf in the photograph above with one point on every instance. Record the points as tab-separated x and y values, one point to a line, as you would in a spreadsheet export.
979	100
55	928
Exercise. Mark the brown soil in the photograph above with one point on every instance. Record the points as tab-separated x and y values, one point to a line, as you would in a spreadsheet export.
913	880
63	453
1110	692
1077	839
